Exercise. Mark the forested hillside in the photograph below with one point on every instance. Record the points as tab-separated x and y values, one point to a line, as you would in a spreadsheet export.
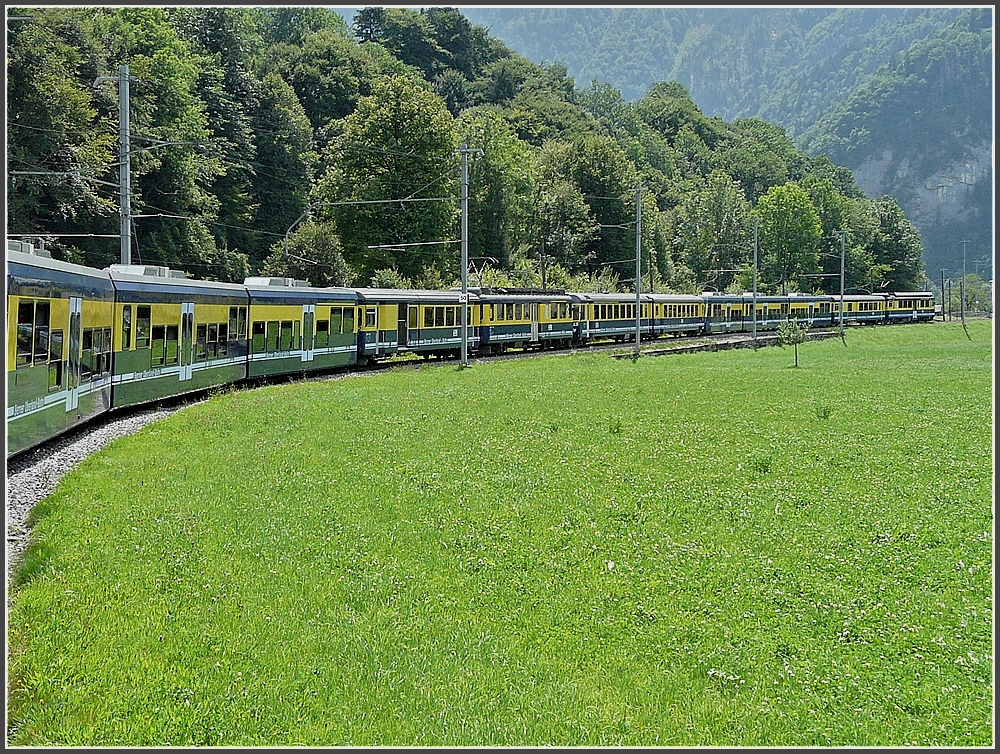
288	141
902	96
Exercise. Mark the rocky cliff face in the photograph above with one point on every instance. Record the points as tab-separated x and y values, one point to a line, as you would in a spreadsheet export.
953	203
948	193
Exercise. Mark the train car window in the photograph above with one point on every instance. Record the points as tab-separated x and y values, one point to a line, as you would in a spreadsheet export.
201	342
25	327
296	343
158	354
41	332
222	349
257	342
87	355
428	316
413	317
55	359
322	333
233	323
272	335
241	323
285	343
499	311
438	316
213	339
170	349
371	316
337	319
108	348
348	320
126	327
142	321
449	316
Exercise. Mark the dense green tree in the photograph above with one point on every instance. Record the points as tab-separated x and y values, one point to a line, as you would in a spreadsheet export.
788	237
53	127
896	245
397	145
500	185
314	253
410	36
282	173
712	231
607	181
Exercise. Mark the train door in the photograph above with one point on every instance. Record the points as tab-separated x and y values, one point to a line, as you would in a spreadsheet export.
187	340
73	366
534	322
308	328
402	337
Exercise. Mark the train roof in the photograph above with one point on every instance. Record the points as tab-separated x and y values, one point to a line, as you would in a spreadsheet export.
536	296
610	298
409	294
48	263
155	277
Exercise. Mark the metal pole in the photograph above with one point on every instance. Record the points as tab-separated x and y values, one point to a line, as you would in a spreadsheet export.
465	254
756	222
124	168
843	236
962	285
942	295
638	266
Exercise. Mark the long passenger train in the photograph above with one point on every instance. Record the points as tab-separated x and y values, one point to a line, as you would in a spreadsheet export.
82	341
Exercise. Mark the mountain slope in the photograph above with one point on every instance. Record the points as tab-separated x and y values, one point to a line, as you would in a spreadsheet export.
902	96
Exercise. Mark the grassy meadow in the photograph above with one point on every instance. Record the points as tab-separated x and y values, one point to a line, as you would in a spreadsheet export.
701	549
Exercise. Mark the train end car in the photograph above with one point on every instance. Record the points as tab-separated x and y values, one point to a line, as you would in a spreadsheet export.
59	346
295	328
174	335
910	306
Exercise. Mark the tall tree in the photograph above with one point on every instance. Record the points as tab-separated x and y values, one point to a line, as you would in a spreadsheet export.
398	145
53	127
896	245
789	236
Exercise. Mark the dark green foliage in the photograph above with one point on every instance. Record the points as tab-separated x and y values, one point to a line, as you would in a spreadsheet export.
248	122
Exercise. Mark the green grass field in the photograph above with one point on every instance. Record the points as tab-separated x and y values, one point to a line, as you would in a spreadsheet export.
702	549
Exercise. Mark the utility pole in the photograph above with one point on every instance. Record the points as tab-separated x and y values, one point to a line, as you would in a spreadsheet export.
962	285
464	298
843	238
638	266
124	167
942	295
756	224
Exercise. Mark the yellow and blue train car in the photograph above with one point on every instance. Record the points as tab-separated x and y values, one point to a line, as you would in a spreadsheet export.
412	321
676	314
295	328
909	306
515	319
862	309
735	312
59	341
428	323
174	335
611	316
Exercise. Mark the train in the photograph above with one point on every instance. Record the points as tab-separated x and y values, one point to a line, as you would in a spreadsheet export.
82	342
